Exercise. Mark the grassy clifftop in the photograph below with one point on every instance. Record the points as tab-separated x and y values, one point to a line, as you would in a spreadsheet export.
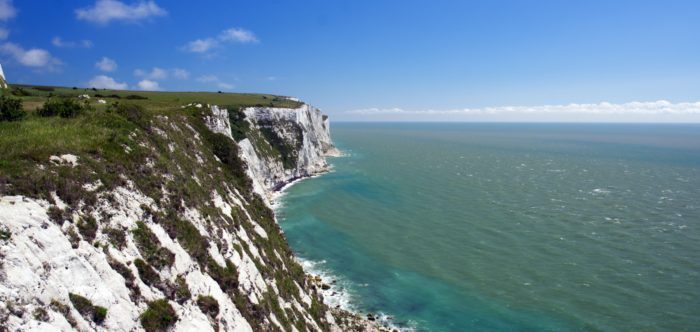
97	130
34	96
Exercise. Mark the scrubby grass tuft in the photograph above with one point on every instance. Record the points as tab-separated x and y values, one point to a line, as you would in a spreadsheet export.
147	274
159	316
208	305
87	226
150	247
95	313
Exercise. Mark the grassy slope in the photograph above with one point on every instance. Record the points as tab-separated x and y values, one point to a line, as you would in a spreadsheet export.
35	139
156	100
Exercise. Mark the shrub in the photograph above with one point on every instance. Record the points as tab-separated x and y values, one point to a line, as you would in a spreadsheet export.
88	228
188	236
56	215
182	292
116	236
159	316
96	313
132	112
226	277
135	97
129	279
150	248
11	109
149	276
63	107
65	311
208	305
19	92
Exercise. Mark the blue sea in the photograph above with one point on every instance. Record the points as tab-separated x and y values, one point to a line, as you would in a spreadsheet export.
507	227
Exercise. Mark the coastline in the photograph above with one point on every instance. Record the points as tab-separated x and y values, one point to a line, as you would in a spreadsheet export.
337	296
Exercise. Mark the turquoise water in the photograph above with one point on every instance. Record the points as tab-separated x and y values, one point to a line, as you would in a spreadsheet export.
528	227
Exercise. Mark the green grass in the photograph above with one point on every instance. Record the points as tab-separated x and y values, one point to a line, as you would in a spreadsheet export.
155	100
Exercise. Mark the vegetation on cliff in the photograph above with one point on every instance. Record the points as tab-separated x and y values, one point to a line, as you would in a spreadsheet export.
76	154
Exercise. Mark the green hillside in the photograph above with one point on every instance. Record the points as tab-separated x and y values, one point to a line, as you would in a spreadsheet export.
34	96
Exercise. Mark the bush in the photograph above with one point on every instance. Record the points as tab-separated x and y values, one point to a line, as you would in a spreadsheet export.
132	112
136	97
19	92
96	313
208	305
88	228
11	109
63	107
226	277
159	316
150	247
147	274
116	237
182	292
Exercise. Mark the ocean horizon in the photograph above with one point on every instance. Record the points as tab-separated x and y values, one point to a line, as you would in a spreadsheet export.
506	226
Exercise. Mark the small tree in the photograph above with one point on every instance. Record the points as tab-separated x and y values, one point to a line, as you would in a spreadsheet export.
11	109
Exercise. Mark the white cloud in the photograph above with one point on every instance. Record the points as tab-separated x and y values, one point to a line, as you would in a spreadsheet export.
232	35
35	57
106	64
148	85
181	73
106	82
155	74
7	10
105	11
4	33
58	42
201	45
238	35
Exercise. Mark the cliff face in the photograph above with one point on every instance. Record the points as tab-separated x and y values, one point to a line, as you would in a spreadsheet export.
285	144
163	227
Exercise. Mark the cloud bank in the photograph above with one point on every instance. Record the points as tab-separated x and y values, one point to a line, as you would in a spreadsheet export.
654	107
105	11
630	110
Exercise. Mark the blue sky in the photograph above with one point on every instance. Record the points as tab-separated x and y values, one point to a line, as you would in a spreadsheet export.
377	60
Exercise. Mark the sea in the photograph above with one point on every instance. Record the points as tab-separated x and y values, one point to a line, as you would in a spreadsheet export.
506	227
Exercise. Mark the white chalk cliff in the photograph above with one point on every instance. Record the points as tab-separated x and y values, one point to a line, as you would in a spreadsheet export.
215	240
305	128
